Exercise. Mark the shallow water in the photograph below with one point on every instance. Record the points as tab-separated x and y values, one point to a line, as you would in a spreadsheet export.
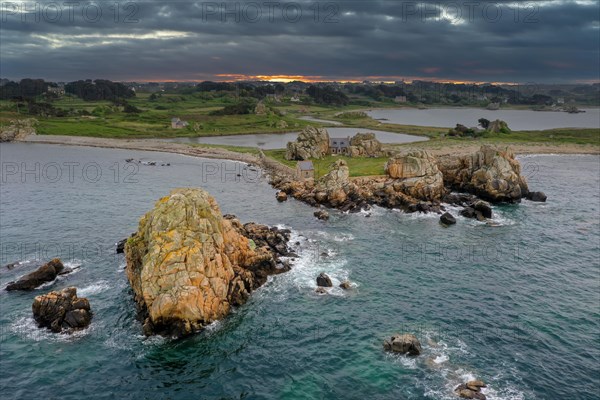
269	141
514	304
516	119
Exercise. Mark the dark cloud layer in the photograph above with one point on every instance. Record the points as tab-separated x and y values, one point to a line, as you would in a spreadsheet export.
506	41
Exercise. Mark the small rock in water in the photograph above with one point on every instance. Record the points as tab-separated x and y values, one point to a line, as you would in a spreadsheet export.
484	208
62	311
324	280
447	219
471	390
536	196
12	265
403	343
322	215
321	290
346	285
281	196
46	273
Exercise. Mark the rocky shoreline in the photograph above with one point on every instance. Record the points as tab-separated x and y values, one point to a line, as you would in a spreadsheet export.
419	182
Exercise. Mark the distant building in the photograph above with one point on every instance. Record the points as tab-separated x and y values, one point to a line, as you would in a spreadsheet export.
339	145
305	170
295	99
176	123
57	90
560	100
400	99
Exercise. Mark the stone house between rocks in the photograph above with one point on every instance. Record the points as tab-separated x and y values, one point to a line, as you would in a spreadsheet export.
339	145
305	170
176	123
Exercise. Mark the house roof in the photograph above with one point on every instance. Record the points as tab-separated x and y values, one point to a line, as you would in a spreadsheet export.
175	119
305	165
339	141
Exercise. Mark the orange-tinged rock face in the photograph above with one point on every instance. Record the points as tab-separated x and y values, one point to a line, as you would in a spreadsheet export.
181	261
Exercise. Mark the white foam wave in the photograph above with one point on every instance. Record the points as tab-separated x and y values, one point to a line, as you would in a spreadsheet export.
308	265
94	288
437	360
26	328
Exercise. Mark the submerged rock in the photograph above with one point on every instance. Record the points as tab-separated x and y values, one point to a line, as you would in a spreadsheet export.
403	343
188	265
346	285
324	280
471	390
321	214
46	273
62	311
311	143
12	265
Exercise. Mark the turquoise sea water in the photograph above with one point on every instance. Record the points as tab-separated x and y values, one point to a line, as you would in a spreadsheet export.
515	303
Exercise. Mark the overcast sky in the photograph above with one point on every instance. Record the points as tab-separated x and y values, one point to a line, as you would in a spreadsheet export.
478	41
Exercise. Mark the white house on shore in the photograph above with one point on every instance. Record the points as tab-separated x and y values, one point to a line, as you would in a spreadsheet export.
305	170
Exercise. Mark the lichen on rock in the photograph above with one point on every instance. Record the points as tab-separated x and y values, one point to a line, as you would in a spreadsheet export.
416	174
490	173
311	143
188	265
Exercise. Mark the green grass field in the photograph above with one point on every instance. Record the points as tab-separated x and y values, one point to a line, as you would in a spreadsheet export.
103	119
358	166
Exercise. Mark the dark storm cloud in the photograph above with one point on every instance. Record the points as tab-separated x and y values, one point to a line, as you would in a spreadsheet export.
539	41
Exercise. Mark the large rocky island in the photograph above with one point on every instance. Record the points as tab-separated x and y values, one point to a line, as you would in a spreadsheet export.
417	181
188	265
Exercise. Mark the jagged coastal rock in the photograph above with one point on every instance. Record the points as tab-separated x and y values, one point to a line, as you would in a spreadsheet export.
311	143
62	311
365	145
417	175
188	265
335	185
18	129
489	173
46	273
406	343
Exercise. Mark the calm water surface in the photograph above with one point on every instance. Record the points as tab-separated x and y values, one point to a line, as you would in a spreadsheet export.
516	119
516	305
